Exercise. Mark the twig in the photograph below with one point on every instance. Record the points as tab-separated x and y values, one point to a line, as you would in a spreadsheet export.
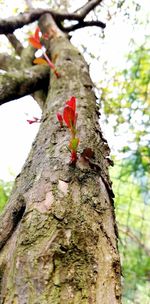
87	7
82	24
135	239
15	43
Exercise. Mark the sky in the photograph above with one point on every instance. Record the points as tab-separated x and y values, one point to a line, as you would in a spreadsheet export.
16	135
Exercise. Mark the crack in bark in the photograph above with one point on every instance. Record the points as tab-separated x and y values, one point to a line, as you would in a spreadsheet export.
107	237
17	215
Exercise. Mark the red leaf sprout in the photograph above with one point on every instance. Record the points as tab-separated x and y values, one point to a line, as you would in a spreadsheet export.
35	39
72	103
70	118
60	119
69	113
34	120
36	43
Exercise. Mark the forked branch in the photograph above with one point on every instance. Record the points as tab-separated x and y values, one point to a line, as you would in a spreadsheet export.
82	24
12	23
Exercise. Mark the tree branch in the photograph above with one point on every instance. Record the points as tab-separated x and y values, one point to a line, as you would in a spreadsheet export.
10	219
27	56
8	62
82	24
15	43
12	23
21	83
131	235
87	7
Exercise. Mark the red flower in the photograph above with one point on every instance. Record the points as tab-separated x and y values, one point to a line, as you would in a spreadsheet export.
35	39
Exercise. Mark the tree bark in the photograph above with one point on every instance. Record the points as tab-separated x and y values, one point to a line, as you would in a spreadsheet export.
58	233
16	84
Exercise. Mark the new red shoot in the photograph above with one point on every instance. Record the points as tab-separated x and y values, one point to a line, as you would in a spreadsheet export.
69	116
36	43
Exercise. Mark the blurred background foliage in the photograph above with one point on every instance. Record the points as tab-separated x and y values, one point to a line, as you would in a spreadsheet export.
125	102
5	190
124	94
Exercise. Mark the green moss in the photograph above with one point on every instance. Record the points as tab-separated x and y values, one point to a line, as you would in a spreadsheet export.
36	229
54	296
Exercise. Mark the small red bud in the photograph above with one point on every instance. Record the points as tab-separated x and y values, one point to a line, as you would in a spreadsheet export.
60	119
46	36
35	119
31	121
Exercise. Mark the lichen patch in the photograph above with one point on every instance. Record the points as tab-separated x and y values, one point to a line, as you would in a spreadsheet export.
63	187
45	205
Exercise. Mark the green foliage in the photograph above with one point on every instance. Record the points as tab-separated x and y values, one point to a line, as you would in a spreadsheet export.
126	99
126	102
5	189
133	215
128	91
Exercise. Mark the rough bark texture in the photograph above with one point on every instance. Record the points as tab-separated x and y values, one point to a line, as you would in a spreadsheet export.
58	237
20	83
8	62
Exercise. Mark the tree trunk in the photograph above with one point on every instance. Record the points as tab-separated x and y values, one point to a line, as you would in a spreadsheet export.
58	238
